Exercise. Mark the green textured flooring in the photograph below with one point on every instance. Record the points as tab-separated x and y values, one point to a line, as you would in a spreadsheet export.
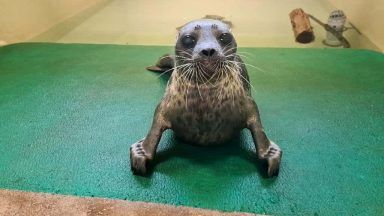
68	114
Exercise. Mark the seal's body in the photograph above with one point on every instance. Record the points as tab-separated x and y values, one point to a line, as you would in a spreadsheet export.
205	115
208	98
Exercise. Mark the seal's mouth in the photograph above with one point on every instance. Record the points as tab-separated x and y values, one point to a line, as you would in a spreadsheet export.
208	66
209	63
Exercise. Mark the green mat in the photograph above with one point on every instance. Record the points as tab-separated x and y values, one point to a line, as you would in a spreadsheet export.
68	114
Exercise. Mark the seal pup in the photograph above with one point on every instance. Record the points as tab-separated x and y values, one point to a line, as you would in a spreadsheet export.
208	97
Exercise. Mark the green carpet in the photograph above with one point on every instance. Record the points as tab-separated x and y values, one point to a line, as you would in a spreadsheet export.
68	114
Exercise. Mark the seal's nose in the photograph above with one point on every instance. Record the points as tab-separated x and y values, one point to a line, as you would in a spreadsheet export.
208	52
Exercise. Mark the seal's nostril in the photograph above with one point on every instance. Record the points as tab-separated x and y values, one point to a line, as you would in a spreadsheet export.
208	52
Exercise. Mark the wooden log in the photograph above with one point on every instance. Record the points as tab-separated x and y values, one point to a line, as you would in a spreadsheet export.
301	26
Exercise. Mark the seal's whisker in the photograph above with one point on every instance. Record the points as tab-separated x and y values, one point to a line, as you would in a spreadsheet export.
243	78
225	50
203	76
236	88
182	65
226	46
179	56
177	71
236	55
197	85
174	68
200	67
183	75
215	68
188	74
247	53
253	66
184	52
165	72
229	50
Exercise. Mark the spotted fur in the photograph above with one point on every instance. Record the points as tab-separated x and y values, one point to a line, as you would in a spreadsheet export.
208	99
209	113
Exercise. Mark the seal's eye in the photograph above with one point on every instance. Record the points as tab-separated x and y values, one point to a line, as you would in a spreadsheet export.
225	38
188	41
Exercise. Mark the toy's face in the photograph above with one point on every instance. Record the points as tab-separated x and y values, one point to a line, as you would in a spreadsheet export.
206	43
337	19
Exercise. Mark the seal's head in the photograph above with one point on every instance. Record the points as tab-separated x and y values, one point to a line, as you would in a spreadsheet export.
205	44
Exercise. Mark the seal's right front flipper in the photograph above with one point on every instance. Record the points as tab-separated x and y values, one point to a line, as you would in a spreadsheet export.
139	159
143	151
164	64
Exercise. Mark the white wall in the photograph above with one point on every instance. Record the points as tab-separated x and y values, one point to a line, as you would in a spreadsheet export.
367	16
21	20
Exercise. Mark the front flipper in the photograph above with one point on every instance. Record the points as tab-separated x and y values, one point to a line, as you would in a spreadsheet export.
272	157
143	151
139	160
166	63
267	151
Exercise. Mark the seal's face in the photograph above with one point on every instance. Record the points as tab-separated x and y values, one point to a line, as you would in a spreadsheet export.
204	44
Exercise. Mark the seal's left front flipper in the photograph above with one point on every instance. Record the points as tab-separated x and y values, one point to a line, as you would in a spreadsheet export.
267	151
164	64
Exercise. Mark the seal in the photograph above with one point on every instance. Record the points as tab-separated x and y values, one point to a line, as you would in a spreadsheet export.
208	97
